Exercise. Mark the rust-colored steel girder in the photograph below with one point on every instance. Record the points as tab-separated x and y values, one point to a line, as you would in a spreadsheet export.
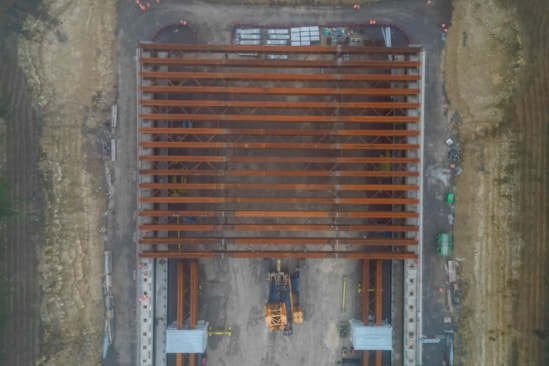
288	214
266	186
274	145
379	292
278	227
180	318
274	132
262	63
365	302
277	159
182	75
221	48
291	200
275	104
193	303
180	294
277	118
388	255
277	241
277	91
365	290
282	173
378	301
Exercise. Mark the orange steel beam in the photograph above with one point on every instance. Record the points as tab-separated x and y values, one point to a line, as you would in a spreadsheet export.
276	132
379	288
277	91
388	255
365	290
277	118
378	300
277	159
274	145
180	294
193	303
291	200
278	227
275	104
277	241
282	173
365	302
267	186
180	304
223	48
297	213
263	63
181	75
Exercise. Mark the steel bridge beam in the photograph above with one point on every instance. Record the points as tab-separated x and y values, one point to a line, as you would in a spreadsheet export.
267	186
274	132
288	214
365	303
274	145
182	75
261	63
275	104
278	227
177	89
180	304
193	303
276	241
276	118
284	200
388	255
220	48
378	301
277	159
281	173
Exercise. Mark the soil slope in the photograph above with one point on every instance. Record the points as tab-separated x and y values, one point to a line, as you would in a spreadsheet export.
496	70
75	101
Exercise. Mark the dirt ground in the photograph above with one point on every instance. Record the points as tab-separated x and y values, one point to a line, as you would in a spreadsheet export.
71	71
496	73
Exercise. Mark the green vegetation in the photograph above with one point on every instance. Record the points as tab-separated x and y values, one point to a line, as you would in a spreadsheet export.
5	212
4	107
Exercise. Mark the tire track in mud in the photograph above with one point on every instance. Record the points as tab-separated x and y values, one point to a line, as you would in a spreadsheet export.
533	296
508	294
23	228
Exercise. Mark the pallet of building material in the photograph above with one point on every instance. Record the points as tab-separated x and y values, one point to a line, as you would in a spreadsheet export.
253	42
248	31
114	115
276	42
108	262
250	36
279	36
451	269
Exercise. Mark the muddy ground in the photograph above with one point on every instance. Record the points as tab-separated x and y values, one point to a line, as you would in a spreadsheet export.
56	173
496	71
496	77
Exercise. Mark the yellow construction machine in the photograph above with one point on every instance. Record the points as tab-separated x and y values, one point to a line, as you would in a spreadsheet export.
280	310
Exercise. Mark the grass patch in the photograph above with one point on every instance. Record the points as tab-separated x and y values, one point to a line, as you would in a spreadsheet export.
4	106
6	211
